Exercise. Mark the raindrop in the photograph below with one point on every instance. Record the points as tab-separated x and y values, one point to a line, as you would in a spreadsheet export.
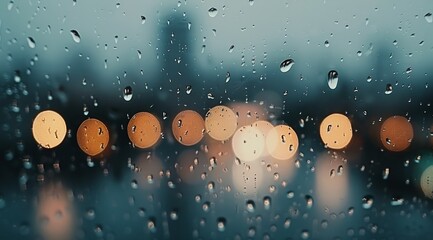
428	17
221	224
251	206
31	42
127	93
286	65
385	173
388	89
231	48
212	12
305	234
173	215
17	77
134	184
397	201
188	89
369	79
287	223
367	202
227	77
151	225
332	79
408	70
309	201
267	202
326	43
75	36
10	5
211	186
90	214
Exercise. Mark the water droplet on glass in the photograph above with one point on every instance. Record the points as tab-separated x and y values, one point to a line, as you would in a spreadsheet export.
212	12
188	89
10	5
231	48
221	224
286	65
309	201
408	70
127	93
326	43
287	223
369	79
227	77
151	225
332	79
31	42
428	17
251	206
397	201
367	202
385	173
388	89
75	36
267	202
305	234
17	77
134	184
173	215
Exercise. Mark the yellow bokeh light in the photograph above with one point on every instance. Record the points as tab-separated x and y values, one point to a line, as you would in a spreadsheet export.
265	127
144	130
247	113
188	127
332	182
282	142
49	129
427	182
396	133
336	131
92	136
248	143
54	213
220	122
247	177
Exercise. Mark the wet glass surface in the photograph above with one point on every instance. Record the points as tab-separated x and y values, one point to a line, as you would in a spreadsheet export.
216	119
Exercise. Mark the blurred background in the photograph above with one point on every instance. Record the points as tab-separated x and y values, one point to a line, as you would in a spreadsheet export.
111	59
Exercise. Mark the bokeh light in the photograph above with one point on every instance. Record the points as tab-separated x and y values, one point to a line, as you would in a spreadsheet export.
396	133
426	182
148	170
247	177
265	127
92	136
247	113
188	127
336	131
54	213
332	182
49	129
282	142
144	130
248	143
191	166
221	123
